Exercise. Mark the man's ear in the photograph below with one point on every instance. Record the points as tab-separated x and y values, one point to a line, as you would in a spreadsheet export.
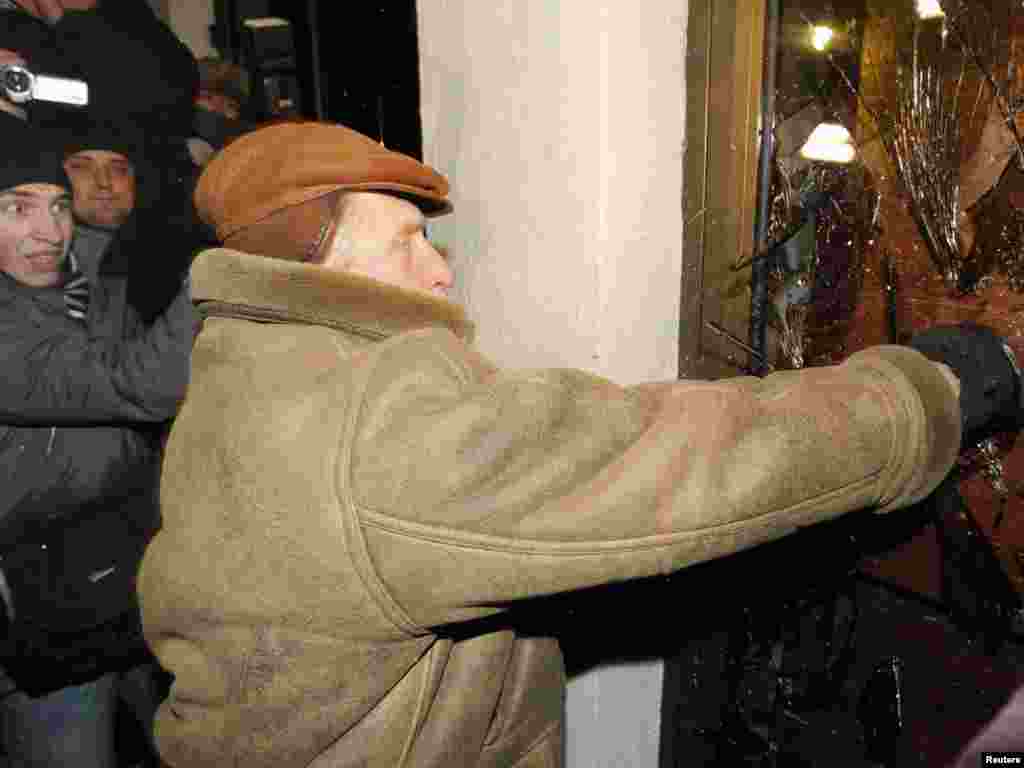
333	236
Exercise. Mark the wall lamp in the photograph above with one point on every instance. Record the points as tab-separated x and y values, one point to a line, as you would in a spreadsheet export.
929	9
821	37
829	143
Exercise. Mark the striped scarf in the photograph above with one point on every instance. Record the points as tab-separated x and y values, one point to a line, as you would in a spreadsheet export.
76	291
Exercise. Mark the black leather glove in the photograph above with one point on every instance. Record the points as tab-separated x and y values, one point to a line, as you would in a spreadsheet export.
990	381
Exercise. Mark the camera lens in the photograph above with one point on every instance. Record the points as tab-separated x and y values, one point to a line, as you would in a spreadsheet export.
17	80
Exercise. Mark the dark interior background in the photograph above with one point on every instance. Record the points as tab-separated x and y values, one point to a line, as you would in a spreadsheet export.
355	63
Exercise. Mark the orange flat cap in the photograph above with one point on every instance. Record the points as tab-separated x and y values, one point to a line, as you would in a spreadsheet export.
272	191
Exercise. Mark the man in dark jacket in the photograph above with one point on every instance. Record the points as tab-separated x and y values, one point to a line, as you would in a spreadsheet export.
82	400
134	65
221	114
124	203
140	78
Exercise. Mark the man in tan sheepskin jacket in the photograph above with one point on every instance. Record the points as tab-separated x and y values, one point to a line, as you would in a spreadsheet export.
350	487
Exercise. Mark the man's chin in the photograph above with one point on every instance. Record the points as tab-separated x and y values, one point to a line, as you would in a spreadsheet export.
106	226
108	221
43	270
42	279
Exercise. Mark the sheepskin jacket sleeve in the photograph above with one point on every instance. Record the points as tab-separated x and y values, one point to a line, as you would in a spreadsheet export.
543	481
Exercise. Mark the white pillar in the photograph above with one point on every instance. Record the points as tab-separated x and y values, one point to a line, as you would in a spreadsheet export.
191	20
560	126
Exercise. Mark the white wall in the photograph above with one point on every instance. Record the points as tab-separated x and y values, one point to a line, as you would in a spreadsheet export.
560	125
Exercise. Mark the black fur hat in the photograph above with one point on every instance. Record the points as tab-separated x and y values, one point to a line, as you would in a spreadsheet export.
30	155
84	131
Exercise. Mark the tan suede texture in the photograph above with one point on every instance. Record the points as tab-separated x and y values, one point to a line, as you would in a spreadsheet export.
348	480
282	166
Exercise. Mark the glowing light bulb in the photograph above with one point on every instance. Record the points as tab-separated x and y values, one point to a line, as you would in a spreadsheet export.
929	9
829	143
822	36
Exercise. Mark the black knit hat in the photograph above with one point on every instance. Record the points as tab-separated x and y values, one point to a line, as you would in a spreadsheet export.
30	155
85	131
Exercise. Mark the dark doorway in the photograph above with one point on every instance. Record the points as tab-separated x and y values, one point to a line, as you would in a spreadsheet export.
355	63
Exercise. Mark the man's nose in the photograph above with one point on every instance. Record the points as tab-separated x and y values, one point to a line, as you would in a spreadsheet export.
440	275
103	177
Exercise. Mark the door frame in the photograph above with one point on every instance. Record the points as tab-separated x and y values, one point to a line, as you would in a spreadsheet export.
724	62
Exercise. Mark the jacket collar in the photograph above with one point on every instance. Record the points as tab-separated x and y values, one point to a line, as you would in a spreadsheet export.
53	296
89	247
231	283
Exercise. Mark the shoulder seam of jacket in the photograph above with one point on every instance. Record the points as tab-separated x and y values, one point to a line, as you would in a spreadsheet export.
372	581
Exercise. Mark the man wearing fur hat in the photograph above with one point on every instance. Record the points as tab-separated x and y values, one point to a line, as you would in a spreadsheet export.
82	399
103	186
356	502
101	159
142	81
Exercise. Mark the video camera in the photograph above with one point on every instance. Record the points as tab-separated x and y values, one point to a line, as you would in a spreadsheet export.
20	85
